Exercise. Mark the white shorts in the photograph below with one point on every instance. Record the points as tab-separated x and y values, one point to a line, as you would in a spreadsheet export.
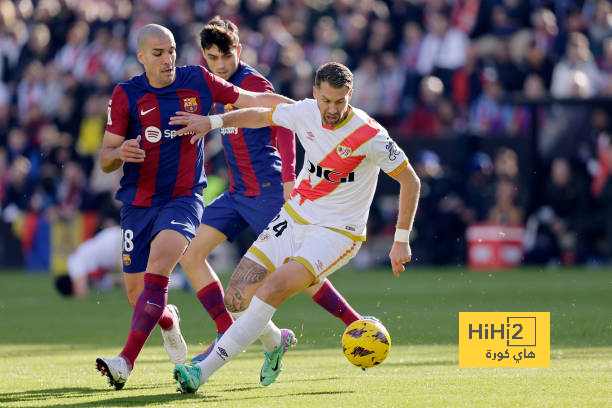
321	250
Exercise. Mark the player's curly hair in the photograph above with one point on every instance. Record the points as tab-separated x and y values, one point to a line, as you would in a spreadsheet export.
220	32
335	74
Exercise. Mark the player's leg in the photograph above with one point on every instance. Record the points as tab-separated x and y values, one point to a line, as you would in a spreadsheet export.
134	284
220	222
203	278
168	241
286	281
166	249
328	297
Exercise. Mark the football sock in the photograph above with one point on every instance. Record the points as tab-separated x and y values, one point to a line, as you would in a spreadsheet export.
332	301
166	320
271	336
148	310
243	332
211	297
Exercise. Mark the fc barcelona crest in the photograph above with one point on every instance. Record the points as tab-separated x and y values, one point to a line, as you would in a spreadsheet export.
190	104
343	151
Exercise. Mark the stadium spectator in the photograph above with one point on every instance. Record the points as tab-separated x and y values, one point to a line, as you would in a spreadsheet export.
576	69
505	211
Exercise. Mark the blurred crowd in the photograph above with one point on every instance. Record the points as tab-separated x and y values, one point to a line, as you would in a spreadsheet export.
426	69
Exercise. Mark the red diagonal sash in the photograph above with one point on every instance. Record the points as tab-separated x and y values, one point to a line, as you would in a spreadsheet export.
336	163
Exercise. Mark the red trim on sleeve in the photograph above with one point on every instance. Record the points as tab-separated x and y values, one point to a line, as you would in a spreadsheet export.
285	142
221	90
118	116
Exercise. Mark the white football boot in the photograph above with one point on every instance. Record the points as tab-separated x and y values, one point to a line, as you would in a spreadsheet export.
116	369
173	339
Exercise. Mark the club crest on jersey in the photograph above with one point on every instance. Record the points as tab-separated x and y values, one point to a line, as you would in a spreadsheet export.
343	151
190	104
264	236
228	108
127	260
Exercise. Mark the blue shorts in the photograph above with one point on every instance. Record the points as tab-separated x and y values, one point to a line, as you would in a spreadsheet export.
140	224
233	213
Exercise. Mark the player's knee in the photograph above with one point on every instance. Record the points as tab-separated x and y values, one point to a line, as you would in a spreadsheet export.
191	259
273	290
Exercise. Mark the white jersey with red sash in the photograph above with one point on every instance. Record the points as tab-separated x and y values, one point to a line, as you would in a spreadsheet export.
336	186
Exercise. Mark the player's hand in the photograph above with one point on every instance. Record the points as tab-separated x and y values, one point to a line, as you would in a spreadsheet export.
130	151
196	126
287	188
399	255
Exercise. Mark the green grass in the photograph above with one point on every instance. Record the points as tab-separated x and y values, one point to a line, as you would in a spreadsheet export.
48	345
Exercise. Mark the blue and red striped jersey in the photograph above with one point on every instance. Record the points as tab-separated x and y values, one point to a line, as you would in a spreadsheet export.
173	167
252	155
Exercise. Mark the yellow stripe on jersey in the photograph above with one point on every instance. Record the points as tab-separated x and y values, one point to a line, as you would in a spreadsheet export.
297	218
398	169
294	214
263	258
358	238
345	121
345	254
270	115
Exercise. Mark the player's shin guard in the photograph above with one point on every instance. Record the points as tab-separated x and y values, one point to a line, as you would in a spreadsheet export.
332	301
243	332
211	297
270	336
148	310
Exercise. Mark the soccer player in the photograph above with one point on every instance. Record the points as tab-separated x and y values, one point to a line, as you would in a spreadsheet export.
89	264
162	183
323	224
258	188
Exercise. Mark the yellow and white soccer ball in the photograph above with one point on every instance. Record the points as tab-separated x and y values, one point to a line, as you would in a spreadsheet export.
366	343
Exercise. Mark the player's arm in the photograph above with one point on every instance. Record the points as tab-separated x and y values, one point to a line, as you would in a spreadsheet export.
249	99
410	187
116	150
198	126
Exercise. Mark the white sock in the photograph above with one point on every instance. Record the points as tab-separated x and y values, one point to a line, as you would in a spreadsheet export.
245	330
271	336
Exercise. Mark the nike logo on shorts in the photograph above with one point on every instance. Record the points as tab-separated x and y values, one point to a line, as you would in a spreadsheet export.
178	223
144	112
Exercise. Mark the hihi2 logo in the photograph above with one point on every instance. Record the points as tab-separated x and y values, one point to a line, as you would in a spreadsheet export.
501	339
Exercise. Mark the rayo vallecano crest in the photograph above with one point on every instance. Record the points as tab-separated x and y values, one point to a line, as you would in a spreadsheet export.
343	151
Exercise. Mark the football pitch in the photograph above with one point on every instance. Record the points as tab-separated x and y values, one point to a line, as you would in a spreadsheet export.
48	345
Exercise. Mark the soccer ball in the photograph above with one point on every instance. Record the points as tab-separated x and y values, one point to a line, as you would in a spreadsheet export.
366	343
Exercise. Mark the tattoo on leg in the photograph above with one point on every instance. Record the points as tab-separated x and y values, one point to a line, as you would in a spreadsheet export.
245	281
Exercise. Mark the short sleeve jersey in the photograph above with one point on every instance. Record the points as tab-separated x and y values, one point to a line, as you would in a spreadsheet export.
336	186
173	167
252	154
